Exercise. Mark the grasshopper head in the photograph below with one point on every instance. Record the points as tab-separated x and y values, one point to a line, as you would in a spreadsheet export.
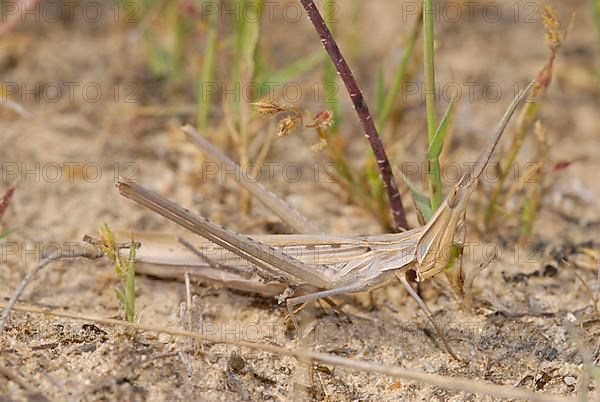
434	245
458	198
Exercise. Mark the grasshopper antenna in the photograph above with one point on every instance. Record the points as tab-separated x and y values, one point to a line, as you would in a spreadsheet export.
488	150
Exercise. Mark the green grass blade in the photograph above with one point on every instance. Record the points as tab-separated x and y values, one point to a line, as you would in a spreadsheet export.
526	120
380	93
421	201
596	17
437	143
120	297
208	73
374	180
237	50
399	78
291	71
181	28
130	284
157	57
434	177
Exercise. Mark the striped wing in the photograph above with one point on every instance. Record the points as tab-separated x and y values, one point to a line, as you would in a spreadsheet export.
159	248
352	257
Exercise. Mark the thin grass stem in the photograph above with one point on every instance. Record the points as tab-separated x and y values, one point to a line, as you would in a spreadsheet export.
434	178
208	73
596	17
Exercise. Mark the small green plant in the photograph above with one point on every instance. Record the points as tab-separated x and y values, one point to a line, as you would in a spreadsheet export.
170	31
425	204
555	36
384	105
533	196
124	268
363	185
249	75
246	36
334	148
165	28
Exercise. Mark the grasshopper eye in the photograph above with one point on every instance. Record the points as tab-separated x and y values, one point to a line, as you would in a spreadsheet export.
452	199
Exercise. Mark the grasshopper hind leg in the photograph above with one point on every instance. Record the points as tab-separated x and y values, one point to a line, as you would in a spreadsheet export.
428	313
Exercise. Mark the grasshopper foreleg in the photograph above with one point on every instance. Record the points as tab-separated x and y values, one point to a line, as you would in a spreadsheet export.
428	313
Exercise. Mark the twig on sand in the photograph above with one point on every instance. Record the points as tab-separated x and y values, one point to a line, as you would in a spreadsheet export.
16	107
450	383
90	252
33	394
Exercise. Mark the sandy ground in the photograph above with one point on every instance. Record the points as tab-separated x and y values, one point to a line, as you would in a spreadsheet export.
517	334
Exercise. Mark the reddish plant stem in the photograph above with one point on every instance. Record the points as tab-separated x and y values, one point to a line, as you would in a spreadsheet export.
360	105
5	200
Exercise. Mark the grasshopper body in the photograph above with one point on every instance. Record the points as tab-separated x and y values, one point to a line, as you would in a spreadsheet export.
315	265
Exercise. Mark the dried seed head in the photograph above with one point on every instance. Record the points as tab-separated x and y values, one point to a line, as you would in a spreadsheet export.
555	36
552	24
108	244
555	33
268	108
323	120
287	126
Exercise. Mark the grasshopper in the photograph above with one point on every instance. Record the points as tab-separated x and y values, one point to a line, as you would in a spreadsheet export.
313	265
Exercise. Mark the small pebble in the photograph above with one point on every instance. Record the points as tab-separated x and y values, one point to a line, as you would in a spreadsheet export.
570	380
86	348
212	358
236	363
428	367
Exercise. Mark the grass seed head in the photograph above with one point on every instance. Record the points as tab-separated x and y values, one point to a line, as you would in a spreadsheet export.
268	108
323	120
555	33
287	126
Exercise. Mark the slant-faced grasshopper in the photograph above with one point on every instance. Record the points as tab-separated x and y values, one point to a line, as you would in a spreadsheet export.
317	266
